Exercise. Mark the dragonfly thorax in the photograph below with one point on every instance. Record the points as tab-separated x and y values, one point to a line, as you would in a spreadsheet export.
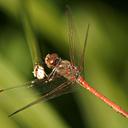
69	71
62	67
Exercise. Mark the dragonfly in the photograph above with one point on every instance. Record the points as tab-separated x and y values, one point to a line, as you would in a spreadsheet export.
62	68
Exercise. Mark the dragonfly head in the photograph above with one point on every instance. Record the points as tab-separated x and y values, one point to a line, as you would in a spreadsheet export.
51	60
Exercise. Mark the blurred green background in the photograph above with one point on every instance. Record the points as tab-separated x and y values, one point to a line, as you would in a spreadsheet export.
106	61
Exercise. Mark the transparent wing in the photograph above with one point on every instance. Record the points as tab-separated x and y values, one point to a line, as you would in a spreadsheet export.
77	54
28	84
71	34
82	58
38	83
60	90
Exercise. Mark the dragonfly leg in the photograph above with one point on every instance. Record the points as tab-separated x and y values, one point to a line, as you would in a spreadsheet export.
52	75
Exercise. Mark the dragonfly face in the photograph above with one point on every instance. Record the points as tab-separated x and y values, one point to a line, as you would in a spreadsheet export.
51	60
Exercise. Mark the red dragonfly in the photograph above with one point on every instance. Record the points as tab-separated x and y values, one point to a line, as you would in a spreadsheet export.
64	69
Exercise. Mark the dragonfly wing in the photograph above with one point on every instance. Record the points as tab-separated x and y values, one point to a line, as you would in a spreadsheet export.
82	58
71	34
52	94
28	84
76	51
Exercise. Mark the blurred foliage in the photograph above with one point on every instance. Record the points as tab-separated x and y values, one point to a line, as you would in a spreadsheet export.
106	61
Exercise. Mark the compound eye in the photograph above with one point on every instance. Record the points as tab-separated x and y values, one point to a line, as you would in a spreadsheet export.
51	61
